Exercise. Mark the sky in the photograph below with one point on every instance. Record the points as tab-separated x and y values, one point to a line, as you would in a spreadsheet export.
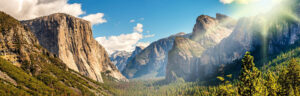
120	25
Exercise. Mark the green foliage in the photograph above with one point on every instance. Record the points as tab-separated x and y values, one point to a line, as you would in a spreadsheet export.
289	79
271	84
7	89
249	84
23	79
226	88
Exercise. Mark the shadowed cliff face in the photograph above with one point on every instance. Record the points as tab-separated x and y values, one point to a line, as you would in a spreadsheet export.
182	57
71	39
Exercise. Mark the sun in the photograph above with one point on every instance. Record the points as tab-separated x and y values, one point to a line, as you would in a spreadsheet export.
246	8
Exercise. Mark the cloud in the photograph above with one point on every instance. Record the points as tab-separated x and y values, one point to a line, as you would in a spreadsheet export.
148	36
226	1
29	9
95	18
143	44
138	28
131	21
123	42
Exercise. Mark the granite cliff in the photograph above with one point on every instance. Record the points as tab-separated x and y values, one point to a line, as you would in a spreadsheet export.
121	58
28	69
71	39
152	61
184	57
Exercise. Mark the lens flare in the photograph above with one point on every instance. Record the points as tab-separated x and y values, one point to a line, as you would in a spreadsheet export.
246	8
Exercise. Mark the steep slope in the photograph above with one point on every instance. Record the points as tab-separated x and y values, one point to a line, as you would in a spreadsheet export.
71	39
28	69
182	57
263	35
152	61
185	55
121	58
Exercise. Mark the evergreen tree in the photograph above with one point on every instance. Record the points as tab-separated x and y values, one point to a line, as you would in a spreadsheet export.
226	88
289	79
271	84
250	77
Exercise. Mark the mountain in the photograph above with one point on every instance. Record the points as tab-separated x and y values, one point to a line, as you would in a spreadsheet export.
184	56
121	58
71	39
27	69
181	58
263	35
263	39
152	61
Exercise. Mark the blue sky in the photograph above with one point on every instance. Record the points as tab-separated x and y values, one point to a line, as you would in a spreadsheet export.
160	17
111	18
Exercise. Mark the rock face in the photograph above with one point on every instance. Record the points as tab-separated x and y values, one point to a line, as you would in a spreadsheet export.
152	61
121	58
71	39
24	63
13	36
251	35
209	31
184	57
262	35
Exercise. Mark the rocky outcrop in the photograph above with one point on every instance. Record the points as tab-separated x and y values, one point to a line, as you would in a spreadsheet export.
262	38
71	39
26	66
152	61
263	35
209	31
184	57
121	58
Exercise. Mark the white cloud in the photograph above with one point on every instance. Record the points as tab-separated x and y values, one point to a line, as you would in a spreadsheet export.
29	9
148	36
143	44
95	18
226	1
131	21
138	28
123	42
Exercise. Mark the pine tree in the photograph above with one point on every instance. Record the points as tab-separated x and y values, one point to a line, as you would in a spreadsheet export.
289	79
250	77
226	88
271	84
